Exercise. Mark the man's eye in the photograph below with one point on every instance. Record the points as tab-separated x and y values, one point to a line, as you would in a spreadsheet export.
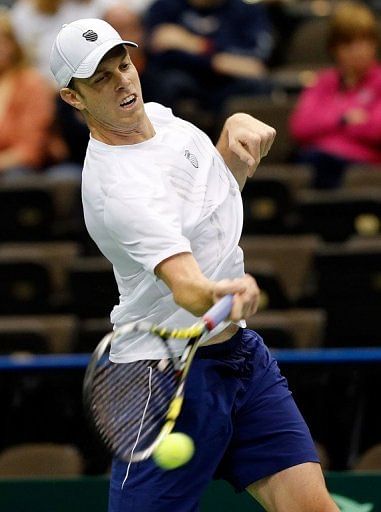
99	79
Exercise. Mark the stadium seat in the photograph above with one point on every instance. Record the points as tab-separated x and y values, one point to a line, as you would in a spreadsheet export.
292	328
305	53
291	256
349	289
52	258
358	177
273	294
295	176
307	47
267	207
92	287
26	213
40	460
42	407
91	332
273	111
275	336
22	341
26	288
37	334
338	215
66	195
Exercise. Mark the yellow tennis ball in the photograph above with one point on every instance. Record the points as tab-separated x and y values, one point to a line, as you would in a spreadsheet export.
174	451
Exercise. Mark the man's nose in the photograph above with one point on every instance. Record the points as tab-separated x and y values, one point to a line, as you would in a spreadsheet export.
122	80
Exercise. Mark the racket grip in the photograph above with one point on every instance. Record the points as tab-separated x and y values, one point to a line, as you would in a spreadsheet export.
219	312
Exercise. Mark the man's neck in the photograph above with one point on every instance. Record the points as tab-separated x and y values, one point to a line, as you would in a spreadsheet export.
123	136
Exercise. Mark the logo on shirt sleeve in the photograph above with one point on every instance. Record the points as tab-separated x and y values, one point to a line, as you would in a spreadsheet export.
192	158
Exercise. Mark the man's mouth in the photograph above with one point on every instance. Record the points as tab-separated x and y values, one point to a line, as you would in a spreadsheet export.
128	101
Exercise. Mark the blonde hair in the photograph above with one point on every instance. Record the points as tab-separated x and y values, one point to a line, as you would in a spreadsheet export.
350	21
6	28
48	7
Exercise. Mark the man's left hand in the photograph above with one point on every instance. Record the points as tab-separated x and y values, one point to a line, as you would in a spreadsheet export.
244	141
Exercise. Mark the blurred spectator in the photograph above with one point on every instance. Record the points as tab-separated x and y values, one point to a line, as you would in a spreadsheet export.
128	24
337	120
138	6
26	110
206	50
74	132
37	22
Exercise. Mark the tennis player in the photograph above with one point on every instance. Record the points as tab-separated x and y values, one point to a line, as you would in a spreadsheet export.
164	206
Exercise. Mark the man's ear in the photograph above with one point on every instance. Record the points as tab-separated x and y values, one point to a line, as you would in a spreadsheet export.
72	98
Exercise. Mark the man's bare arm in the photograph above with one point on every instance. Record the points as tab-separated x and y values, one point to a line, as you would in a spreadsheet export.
196	293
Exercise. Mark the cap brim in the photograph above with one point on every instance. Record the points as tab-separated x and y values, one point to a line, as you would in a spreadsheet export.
89	65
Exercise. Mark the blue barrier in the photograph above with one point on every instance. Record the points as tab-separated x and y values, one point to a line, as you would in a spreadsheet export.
24	362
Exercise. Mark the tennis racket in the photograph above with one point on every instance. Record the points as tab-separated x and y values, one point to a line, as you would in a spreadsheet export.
133	406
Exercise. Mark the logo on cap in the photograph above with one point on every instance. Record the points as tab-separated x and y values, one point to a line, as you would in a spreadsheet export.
90	35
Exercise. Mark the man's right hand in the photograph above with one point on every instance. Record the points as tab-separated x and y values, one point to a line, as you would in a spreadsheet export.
246	296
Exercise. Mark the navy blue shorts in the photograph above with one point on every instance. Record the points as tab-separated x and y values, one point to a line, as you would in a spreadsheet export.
244	422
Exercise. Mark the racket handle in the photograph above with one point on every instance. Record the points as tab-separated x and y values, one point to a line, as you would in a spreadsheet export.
219	312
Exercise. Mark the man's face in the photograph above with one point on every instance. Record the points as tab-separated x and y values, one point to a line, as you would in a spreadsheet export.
111	99
355	57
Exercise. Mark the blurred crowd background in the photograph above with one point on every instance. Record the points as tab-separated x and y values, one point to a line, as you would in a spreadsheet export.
312	231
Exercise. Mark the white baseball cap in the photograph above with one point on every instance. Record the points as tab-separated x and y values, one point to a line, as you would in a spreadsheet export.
80	46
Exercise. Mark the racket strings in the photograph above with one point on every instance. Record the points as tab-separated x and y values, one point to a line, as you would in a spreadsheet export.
111	410
128	420
121	410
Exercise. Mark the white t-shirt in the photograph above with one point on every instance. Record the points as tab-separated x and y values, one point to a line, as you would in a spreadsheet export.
145	202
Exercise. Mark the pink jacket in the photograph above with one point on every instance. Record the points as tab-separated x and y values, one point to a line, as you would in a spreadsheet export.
317	119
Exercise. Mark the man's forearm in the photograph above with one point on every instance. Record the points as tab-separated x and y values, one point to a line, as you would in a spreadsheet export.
191	289
196	293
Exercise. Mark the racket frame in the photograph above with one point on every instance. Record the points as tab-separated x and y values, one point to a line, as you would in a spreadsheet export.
194	334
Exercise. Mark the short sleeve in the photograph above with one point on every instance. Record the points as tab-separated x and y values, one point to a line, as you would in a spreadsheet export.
142	219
